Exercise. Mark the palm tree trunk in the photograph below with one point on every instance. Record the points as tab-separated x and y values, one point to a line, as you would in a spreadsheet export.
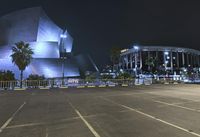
149	68
21	78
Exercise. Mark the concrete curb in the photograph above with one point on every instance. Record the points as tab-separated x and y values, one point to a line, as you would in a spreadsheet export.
19	88
80	87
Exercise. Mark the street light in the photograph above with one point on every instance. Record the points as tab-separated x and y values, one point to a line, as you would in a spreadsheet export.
63	36
136	48
63	56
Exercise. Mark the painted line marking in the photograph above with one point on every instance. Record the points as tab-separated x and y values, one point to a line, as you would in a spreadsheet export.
58	121
42	123
25	125
195	101
84	120
47	134
87	124
125	94
11	118
174	105
153	93
153	117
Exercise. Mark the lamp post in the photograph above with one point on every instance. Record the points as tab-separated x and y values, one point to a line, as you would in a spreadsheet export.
136	48
63	69
166	57
63	55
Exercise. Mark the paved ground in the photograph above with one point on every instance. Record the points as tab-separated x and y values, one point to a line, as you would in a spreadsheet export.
142	111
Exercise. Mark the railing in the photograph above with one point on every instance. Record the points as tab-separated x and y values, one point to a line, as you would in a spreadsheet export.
74	82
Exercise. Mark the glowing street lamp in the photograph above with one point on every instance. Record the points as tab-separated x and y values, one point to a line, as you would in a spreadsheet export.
136	47
63	36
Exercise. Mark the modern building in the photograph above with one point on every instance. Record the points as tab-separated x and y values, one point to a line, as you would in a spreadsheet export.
172	60
52	46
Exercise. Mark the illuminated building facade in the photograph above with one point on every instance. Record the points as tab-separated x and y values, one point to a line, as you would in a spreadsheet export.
52	46
173	60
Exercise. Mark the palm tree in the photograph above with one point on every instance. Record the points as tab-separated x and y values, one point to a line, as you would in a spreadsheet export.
150	62
21	56
115	55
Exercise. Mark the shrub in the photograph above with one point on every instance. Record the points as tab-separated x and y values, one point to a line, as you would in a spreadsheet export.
35	77
124	75
7	76
36	80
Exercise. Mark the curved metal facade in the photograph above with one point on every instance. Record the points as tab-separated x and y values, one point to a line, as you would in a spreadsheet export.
33	26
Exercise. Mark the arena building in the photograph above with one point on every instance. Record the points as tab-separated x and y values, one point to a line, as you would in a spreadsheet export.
159	59
52	46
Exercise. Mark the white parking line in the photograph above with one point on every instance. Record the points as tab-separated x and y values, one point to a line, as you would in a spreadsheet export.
175	105
153	117
26	125
85	121
11	118
189	101
47	134
87	124
58	121
125	94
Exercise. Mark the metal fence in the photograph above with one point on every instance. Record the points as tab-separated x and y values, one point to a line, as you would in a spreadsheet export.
74	82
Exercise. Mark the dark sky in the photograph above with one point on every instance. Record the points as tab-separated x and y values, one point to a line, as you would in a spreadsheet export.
96	26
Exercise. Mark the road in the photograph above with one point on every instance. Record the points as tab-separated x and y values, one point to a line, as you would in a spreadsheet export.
140	111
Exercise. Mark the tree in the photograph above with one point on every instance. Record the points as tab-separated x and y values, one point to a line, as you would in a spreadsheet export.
124	75
106	76
114	55
32	80
36	77
21	56
151	63
7	75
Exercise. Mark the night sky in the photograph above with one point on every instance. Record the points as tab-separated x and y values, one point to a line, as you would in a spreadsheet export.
96	26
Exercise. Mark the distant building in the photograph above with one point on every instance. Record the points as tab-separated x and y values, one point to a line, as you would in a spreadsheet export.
52	45
173	60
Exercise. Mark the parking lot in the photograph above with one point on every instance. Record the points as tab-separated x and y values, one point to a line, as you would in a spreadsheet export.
139	111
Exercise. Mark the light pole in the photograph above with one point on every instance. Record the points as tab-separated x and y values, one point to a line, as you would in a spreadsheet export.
63	55
63	70
136	48
166	57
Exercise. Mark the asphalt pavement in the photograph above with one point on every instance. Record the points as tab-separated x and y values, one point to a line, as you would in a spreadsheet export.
139	111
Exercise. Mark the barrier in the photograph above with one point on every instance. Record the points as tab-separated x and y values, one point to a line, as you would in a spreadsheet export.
72	82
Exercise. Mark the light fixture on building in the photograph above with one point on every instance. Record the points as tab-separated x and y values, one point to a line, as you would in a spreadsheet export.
136	47
166	53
